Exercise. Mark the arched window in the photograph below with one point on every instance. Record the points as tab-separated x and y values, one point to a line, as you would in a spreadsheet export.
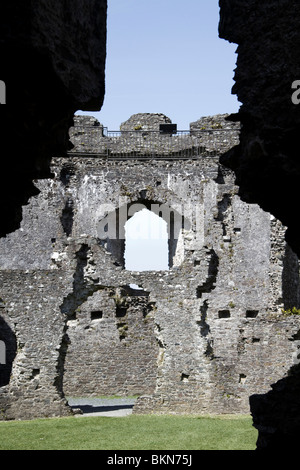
144	236
146	242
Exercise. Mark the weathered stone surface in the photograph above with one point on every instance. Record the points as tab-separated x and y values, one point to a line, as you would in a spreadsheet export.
140	136
112	346
266	162
52	63
145	122
199	338
31	311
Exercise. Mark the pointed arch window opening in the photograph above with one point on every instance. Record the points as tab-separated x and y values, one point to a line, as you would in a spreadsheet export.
160	231
146	242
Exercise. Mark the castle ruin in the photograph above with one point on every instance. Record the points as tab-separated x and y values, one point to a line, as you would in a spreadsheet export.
199	337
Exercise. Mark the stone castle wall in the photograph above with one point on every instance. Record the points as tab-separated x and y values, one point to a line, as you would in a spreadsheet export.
197	338
140	135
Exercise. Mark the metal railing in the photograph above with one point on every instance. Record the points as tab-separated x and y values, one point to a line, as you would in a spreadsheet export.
144	144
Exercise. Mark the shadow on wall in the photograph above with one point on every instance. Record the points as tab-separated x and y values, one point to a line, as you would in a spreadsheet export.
290	280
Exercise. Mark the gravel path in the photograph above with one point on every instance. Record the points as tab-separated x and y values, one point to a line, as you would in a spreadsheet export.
112	407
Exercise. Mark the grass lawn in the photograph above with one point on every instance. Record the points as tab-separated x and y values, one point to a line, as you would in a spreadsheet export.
134	432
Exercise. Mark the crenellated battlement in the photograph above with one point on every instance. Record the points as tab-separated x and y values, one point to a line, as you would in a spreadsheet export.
147	135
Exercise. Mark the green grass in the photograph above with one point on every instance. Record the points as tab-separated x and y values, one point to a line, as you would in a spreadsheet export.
134	432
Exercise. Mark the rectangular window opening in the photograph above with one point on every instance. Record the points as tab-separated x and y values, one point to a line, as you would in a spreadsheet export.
184	378
96	315
34	373
255	340
121	312
251	313
224	313
242	378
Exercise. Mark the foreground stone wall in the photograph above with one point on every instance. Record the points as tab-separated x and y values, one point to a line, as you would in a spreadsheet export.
31	312
61	49
266	162
197	338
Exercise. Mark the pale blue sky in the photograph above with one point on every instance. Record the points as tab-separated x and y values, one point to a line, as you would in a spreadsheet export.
165	56
146	242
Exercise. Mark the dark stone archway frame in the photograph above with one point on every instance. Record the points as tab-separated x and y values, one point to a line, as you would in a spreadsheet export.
175	223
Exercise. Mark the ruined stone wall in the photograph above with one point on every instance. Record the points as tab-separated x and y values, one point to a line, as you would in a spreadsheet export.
61	49
266	162
197	338
31	311
140	135
112	346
